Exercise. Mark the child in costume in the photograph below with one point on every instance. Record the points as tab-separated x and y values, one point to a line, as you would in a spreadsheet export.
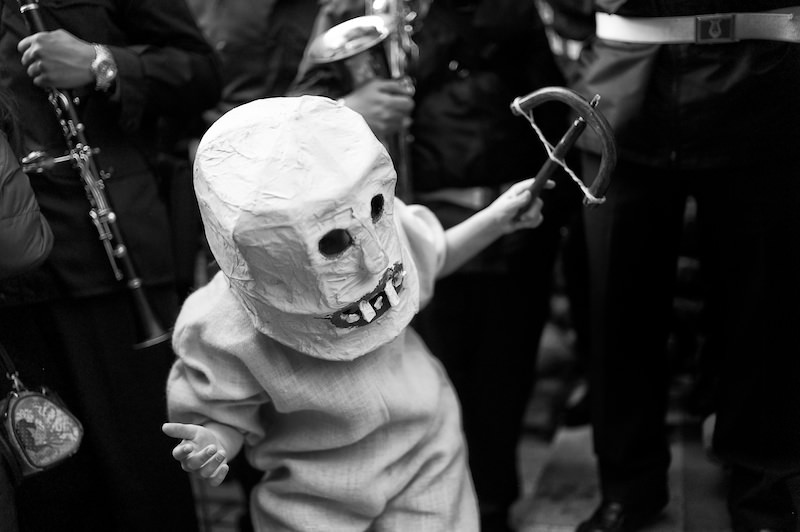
299	350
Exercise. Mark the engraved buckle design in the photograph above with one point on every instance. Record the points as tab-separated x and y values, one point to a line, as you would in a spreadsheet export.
713	29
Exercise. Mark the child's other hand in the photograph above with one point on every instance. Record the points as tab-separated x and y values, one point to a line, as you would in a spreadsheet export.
518	198
199	451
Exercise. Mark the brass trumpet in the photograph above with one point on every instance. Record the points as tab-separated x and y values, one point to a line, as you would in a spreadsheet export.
378	44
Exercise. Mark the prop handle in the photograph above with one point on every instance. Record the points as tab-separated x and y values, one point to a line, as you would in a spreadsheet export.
550	166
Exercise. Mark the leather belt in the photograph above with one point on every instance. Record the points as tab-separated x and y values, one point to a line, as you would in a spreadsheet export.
781	24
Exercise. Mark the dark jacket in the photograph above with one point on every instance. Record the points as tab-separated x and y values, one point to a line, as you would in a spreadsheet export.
25	236
260	45
473	62
694	105
475	57
166	68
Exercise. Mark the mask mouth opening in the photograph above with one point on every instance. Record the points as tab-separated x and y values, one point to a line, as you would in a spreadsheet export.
373	305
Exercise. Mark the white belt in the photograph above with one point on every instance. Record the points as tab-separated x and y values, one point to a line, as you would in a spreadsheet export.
777	25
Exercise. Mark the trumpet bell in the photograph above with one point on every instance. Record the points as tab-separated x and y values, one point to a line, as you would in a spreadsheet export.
349	38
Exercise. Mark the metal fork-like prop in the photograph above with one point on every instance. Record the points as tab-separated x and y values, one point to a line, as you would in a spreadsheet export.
587	115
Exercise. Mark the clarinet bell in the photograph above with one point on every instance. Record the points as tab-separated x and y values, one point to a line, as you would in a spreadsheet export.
149	331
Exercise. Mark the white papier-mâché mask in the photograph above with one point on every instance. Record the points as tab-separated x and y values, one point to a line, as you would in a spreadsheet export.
297	199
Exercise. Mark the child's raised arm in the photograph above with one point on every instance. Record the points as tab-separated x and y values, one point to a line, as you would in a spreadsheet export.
468	238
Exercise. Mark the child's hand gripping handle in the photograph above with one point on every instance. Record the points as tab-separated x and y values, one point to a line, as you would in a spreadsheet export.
587	115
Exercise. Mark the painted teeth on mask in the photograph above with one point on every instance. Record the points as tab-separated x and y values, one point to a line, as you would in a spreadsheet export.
366	310
391	294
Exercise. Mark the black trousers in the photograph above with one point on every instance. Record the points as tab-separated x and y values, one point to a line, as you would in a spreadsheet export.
748	223
123	478
485	323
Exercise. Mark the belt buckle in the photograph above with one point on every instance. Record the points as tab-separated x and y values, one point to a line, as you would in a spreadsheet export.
713	29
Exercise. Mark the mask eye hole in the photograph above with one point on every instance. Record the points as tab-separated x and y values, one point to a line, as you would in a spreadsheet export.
377	208
335	242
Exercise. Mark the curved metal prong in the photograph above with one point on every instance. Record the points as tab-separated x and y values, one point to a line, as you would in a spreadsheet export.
587	115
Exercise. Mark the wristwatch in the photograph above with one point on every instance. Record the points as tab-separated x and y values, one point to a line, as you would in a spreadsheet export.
103	67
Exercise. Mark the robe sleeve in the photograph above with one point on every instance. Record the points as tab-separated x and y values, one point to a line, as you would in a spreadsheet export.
209	380
176	72
425	237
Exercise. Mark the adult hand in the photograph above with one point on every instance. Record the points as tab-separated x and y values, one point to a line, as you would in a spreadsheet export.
385	104
57	59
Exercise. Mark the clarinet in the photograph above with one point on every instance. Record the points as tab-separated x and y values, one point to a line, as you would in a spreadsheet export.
79	152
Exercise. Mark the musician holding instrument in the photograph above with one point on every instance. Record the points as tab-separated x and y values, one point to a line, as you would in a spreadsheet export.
93	322
370	73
